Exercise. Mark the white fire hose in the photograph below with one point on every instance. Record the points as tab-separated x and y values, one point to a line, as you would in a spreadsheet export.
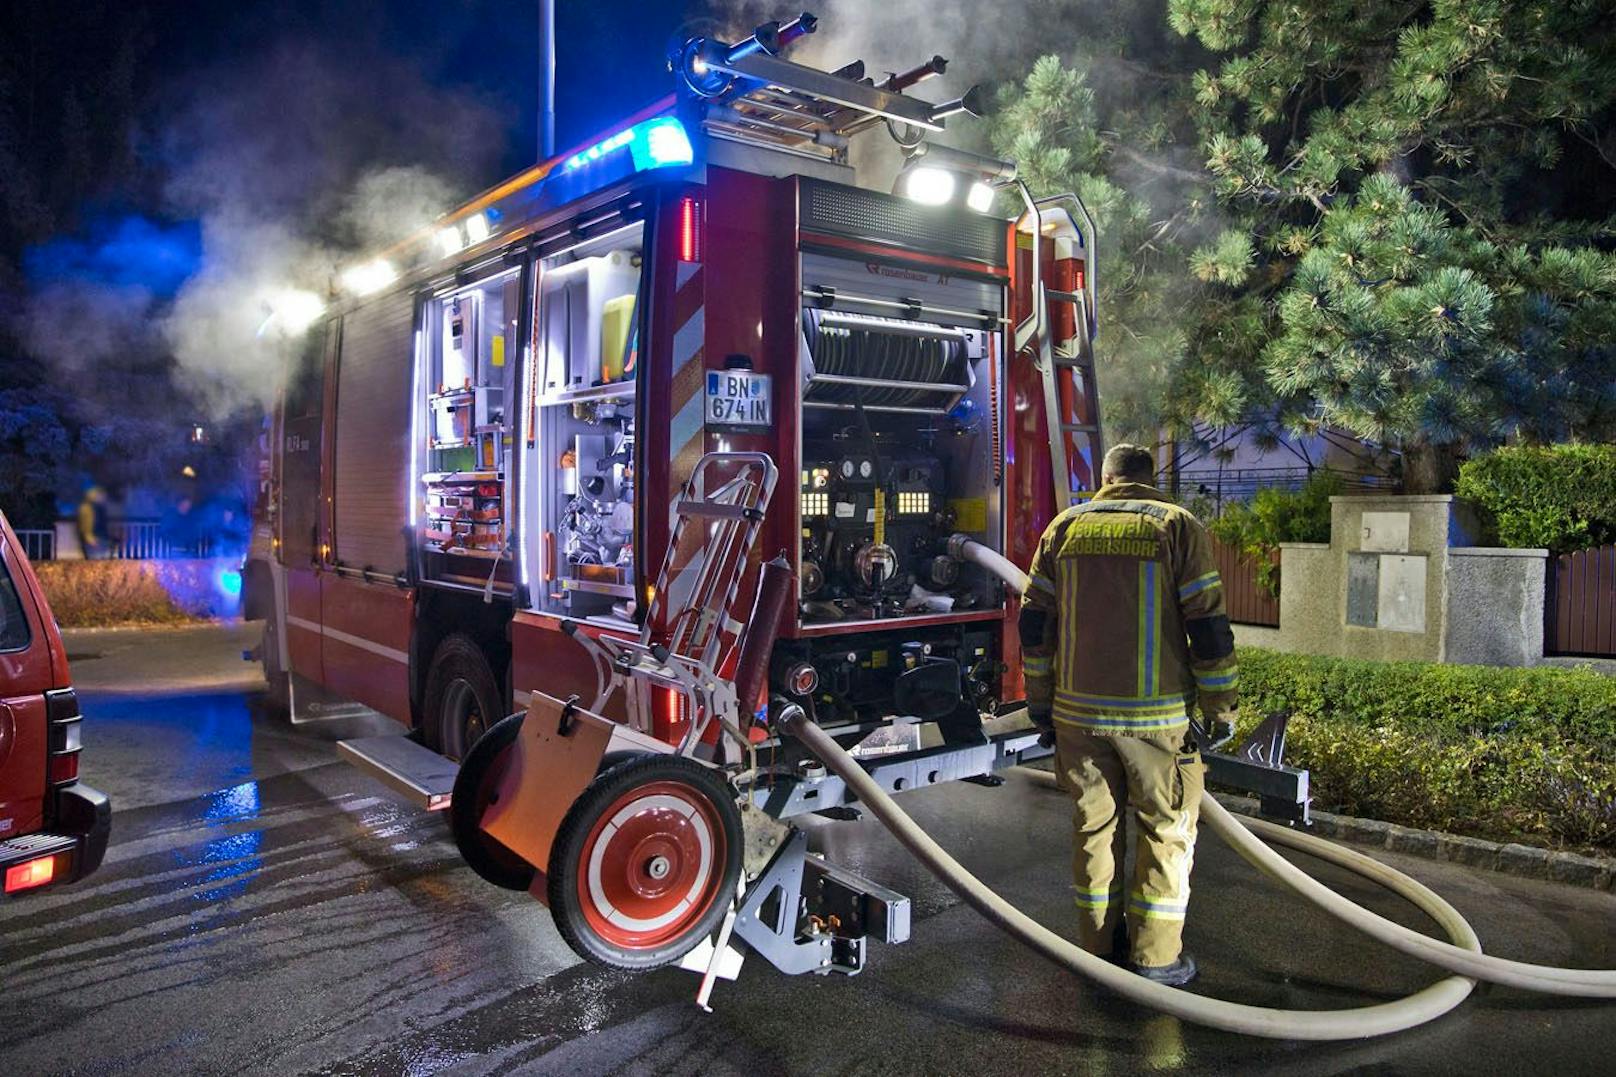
1462	957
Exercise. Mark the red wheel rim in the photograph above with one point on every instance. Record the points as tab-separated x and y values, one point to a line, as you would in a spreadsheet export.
651	865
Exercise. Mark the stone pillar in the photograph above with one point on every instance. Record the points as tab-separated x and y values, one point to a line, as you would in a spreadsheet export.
1495	606
1390	557
1399	580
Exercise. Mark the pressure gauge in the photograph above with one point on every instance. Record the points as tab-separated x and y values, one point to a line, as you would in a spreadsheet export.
866	469
847	469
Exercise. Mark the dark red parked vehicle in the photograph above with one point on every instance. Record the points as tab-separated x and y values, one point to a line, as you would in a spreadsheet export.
53	828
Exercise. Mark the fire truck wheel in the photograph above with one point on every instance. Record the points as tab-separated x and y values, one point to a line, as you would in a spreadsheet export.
645	862
462	700
474	787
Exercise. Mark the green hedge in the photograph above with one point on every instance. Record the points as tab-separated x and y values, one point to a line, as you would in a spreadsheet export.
1506	754
1562	497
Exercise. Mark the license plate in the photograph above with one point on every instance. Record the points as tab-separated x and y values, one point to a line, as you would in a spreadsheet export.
739	401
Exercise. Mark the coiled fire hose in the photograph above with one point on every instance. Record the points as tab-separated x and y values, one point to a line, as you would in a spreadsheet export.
1462	957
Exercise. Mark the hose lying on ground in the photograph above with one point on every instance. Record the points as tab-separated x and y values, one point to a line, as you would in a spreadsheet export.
1377	1020
1583	983
1461	959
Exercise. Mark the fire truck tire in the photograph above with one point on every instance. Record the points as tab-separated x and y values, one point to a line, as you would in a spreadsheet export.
479	773
646	862
462	699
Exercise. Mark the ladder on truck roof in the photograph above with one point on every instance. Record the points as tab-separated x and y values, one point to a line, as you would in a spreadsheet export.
1065	366
749	94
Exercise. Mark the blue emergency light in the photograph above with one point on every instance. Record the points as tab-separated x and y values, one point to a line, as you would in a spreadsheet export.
660	142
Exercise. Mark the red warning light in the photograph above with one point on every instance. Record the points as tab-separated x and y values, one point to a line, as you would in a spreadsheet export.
689	221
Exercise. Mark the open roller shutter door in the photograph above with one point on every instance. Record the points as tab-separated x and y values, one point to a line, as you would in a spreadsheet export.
373	429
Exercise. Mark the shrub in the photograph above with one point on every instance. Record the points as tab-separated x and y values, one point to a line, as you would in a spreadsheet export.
1277	515
1498	753
1562	497
96	594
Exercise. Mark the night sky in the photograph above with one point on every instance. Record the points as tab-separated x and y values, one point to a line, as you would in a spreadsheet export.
610	62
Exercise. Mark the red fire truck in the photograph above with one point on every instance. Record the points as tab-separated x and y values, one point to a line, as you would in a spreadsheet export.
496	436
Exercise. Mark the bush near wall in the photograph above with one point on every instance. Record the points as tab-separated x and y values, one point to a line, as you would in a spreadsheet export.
1561	497
1277	515
1505	754
99	594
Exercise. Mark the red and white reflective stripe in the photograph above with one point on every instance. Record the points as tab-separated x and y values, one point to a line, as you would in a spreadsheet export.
687	403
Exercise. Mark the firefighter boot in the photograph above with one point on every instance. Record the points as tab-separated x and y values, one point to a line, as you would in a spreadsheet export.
1177	974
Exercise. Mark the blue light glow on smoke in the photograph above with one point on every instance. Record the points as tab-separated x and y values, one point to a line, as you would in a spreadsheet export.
130	251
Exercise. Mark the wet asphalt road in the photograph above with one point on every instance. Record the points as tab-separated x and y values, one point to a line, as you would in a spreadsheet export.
266	910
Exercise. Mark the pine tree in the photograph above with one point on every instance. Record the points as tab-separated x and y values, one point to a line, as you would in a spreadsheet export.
1394	221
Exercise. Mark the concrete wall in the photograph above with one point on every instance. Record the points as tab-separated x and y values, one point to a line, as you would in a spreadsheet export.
1495	606
1399	580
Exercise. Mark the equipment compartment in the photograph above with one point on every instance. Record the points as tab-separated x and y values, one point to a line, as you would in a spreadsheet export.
465	434
899	443
583	396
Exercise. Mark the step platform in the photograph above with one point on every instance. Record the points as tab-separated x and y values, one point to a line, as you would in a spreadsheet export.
422	776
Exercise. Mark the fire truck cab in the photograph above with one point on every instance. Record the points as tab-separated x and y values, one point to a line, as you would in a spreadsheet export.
481	454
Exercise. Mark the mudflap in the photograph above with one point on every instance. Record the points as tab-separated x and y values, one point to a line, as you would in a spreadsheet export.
556	755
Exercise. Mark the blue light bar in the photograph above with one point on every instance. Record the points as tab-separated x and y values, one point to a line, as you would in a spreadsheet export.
660	142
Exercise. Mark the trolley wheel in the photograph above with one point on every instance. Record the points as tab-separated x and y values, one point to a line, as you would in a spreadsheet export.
462	699
474	790
645	862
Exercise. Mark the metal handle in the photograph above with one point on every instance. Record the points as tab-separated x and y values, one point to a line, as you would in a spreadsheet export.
1091	242
1036	323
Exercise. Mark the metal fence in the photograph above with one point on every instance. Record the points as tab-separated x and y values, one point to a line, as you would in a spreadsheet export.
132	540
1219	487
1581	614
1247	600
38	545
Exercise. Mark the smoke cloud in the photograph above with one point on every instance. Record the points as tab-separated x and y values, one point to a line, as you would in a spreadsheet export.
282	167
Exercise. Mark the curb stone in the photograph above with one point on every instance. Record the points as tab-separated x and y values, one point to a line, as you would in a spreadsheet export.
1511	858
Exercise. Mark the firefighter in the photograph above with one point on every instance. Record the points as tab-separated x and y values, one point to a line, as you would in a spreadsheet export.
1123	632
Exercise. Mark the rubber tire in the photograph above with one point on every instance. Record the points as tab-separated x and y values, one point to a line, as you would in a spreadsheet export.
487	857
458	658
566	859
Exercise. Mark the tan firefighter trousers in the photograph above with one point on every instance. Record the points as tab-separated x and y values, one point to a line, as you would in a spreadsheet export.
1159	779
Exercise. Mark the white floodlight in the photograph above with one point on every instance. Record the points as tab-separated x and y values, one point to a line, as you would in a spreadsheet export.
367	277
929	186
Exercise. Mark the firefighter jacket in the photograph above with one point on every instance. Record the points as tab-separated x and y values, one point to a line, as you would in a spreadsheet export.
1123	628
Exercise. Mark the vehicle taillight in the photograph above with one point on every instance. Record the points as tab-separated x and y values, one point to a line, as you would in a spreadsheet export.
66	732
64	769
28	875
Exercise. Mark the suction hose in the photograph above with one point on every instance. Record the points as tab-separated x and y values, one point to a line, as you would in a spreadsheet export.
1462	959
965	548
1377	1020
